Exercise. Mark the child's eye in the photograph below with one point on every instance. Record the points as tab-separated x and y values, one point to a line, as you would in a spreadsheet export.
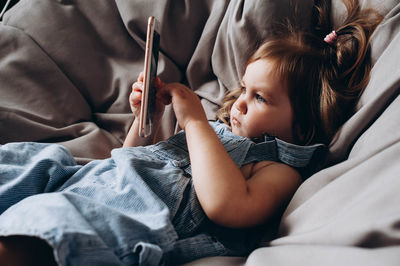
260	99
242	89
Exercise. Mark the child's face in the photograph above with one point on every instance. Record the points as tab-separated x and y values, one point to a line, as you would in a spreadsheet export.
263	107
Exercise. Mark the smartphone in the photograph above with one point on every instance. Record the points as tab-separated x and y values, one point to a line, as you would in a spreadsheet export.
149	75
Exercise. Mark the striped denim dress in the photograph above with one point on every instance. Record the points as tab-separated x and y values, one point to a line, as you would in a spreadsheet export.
138	207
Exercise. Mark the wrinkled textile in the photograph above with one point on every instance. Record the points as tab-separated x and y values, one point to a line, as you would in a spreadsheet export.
66	68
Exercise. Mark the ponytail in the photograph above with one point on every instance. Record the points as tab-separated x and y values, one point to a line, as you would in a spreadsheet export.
347	68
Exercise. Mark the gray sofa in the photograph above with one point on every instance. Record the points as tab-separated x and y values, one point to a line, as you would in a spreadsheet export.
65	74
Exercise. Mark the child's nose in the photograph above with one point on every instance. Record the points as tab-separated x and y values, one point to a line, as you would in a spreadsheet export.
241	106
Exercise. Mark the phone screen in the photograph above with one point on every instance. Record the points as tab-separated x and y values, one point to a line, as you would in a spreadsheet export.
151	101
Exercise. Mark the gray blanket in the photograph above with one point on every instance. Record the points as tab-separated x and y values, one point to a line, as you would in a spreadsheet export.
66	69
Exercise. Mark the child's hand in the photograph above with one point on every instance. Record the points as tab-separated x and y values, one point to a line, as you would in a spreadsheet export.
186	103
135	98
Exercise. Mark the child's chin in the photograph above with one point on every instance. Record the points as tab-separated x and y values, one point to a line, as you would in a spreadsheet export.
235	131
239	133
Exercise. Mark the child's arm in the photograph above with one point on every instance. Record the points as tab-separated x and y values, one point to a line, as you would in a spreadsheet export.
135	99
132	138
227	197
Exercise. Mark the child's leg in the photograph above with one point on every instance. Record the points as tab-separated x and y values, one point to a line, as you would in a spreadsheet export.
27	169
24	251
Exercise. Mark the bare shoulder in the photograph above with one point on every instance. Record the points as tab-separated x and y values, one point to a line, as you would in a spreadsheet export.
274	173
274	166
270	186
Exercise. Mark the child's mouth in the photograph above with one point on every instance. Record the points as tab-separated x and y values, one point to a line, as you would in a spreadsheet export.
235	122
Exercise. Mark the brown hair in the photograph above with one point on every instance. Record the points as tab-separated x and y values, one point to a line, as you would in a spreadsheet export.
324	80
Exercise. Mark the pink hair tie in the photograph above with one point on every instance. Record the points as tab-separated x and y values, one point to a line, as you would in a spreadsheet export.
331	37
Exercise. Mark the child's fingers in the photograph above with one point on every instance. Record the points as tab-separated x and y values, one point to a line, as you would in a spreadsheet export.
140	77
164	95
135	98
177	90
159	83
137	86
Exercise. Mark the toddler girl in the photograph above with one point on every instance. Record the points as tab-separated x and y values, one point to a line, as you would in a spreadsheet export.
206	190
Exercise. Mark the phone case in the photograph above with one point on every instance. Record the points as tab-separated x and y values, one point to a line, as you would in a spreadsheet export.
150	72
